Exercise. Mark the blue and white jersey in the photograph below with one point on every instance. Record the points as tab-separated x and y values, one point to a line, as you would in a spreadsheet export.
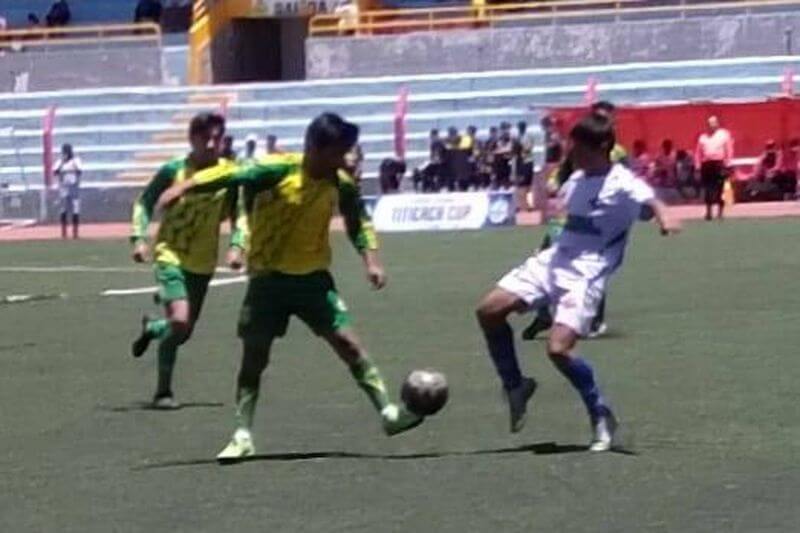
600	211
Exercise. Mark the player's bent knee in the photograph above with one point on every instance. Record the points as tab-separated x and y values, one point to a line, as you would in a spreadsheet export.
493	310
560	344
181	330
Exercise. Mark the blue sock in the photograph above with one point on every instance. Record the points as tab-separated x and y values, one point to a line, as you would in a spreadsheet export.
579	372
504	357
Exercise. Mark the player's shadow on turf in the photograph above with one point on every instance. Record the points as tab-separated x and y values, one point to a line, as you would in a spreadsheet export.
541	448
148	406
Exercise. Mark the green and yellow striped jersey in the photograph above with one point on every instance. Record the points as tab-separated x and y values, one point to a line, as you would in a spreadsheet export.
289	214
188	235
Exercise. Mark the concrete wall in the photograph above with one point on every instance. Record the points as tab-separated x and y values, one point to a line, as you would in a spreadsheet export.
84	67
577	44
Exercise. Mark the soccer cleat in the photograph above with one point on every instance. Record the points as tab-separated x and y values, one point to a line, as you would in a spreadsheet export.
141	344
538	325
397	420
165	402
240	447
604	430
598	331
518	402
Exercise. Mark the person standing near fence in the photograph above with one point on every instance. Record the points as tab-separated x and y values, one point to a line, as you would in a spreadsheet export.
69	171
713	157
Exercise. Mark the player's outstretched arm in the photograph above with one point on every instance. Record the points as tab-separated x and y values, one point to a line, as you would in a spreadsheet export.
360	230
260	176
143	209
668	224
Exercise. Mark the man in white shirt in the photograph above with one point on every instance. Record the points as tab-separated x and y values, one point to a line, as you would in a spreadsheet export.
69	170
602	200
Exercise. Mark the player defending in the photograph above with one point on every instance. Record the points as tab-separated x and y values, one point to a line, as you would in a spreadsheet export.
555	225
602	200
288	265
186	247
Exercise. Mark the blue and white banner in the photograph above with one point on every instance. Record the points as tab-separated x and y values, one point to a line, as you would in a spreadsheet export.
441	212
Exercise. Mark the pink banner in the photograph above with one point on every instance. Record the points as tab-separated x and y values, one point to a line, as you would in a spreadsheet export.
400	112
48	123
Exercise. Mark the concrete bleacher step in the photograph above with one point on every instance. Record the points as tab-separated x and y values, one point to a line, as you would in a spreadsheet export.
118	131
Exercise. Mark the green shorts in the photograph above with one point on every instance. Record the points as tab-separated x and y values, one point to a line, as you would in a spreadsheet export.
175	283
272	299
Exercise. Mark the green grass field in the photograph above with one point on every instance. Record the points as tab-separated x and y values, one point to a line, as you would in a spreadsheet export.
702	365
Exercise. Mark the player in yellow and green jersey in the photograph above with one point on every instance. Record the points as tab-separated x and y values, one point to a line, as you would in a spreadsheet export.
293	201
186	246
555	225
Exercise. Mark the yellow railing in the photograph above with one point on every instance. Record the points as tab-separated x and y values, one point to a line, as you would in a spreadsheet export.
477	16
80	35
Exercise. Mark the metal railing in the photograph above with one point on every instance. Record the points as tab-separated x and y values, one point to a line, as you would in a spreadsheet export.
79	35
488	16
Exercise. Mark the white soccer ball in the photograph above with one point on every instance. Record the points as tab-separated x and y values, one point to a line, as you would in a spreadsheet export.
425	392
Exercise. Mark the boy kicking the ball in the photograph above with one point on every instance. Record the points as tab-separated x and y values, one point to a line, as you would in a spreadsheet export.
602	200
290	200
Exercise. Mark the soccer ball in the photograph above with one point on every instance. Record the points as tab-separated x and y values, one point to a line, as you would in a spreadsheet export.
424	392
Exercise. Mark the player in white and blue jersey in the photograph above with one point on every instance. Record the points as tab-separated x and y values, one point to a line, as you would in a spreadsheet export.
601	201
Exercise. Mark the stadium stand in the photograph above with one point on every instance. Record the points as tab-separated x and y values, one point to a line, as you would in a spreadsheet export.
123	135
83	11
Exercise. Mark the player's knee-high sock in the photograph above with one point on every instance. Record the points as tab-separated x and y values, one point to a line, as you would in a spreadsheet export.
63	225
501	349
167	353
369	379
246	399
158	328
580	374
76	220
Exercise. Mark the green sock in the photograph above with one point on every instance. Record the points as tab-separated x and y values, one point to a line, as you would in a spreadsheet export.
369	379
246	398
158	328
167	353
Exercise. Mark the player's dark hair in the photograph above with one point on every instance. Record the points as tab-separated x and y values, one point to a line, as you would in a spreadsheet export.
204	122
595	131
329	129
604	106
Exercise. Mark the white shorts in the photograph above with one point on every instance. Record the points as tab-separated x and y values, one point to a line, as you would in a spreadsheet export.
572	298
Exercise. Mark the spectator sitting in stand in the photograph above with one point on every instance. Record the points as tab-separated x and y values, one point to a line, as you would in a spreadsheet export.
791	166
148	11
665	166
685	175
227	148
249	156
452	146
390	175
59	14
503	154
33	21
640	161
765	183
272	145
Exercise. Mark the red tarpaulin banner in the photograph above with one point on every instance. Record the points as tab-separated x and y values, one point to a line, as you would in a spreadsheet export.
751	123
48	123
400	112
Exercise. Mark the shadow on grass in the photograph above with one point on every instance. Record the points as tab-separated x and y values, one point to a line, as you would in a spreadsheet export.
148	406
541	448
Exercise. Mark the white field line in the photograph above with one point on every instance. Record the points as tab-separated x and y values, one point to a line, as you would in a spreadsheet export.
86	269
153	289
